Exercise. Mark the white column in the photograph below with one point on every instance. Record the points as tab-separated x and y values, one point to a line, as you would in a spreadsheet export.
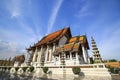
59	57
65	56
77	60
33	57
46	54
76	56
53	51
39	55
88	59
54	60
70	55
84	54
50	54
41	52
53	47
35	54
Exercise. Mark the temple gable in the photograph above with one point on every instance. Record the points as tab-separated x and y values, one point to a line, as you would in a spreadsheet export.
63	40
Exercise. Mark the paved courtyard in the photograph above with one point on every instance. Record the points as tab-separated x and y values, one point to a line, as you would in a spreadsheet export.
116	77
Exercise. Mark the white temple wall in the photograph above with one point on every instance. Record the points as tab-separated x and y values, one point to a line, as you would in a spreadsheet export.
54	47
39	54
35	53
50	54
84	54
88	58
95	71
41	50
46	53
33	57
81	59
38	57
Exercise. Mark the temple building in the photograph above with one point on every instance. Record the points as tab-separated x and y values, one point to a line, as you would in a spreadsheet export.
48	50
18	60
60	53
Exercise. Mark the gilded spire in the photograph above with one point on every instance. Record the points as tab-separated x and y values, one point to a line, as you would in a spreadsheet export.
97	57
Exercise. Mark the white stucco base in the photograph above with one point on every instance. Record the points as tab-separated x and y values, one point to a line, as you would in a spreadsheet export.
86	70
59	72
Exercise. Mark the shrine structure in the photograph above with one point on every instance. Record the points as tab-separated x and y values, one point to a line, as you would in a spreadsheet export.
48	50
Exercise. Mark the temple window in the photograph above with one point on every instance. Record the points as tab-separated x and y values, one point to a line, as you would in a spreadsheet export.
67	55
73	56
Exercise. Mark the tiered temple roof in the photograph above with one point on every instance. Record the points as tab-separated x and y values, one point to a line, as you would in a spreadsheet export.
82	39
71	45
53	37
67	47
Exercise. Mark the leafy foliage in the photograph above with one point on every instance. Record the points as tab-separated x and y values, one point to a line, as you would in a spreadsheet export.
112	60
24	68
114	70
31	69
76	70
45	69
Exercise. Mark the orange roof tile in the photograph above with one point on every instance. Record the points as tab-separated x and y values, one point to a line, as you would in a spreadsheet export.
73	39
75	46
60	35
81	39
68	47
52	36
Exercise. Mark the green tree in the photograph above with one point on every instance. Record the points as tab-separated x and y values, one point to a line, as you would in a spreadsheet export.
112	60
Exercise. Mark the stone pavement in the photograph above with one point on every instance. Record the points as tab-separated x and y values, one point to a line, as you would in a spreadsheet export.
115	77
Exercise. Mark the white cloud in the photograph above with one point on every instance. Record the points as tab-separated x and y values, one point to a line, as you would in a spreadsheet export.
16	9
54	15
13	6
15	14
9	49
84	10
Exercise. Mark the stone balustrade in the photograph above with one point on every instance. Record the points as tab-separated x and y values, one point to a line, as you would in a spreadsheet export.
86	69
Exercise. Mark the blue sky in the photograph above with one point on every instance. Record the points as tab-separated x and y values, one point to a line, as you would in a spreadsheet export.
24	22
